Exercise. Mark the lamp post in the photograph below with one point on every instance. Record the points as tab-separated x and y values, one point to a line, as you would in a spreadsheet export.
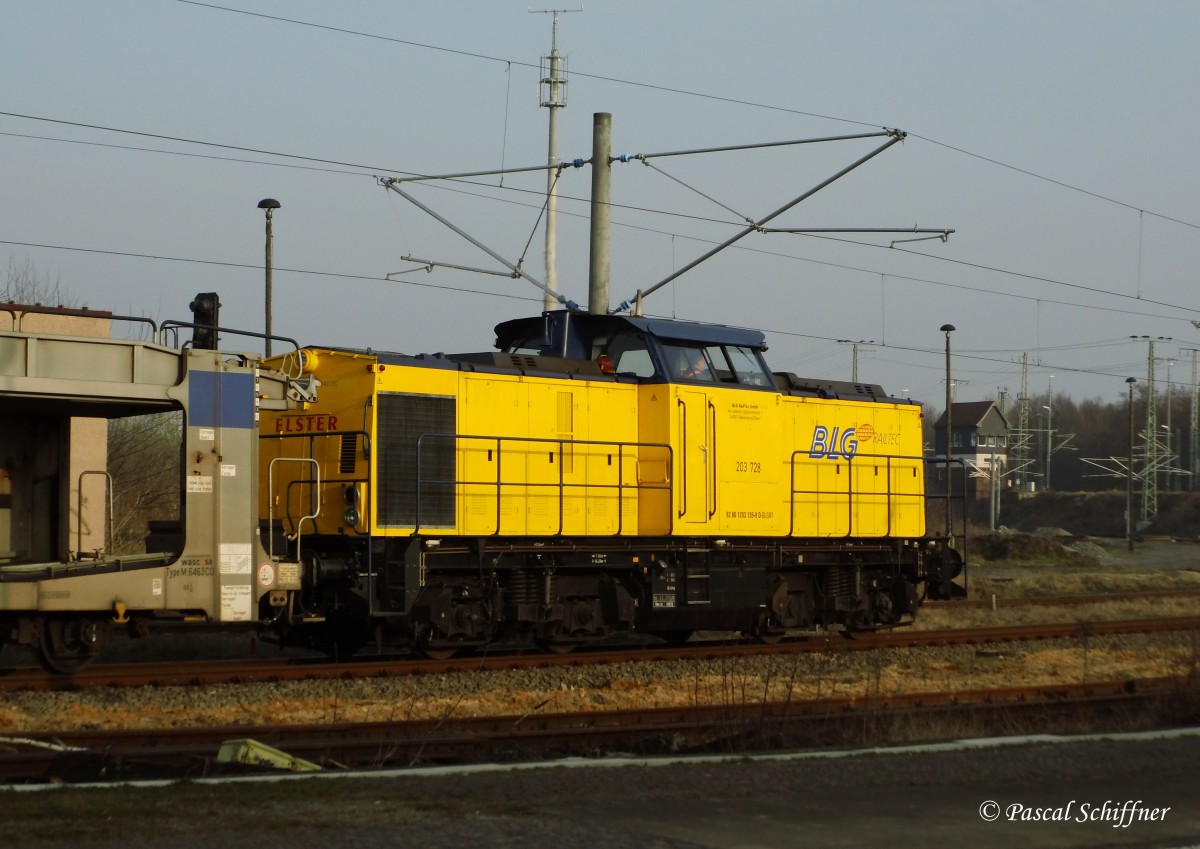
948	329
268	206
1129	476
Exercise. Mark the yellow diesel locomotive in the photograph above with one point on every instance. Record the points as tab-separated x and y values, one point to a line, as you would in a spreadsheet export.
593	474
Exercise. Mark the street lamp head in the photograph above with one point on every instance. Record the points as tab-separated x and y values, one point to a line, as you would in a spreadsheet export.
1131	380
947	328
269	203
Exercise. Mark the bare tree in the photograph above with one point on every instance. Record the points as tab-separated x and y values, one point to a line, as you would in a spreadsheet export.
143	459
24	284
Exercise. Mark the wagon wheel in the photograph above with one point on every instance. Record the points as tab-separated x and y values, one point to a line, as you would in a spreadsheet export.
68	645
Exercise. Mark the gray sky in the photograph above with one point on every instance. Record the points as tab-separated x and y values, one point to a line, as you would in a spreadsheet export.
1056	138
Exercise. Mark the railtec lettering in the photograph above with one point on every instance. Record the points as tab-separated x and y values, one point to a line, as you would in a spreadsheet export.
306	424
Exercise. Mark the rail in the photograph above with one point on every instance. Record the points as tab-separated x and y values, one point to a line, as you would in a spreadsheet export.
752	725
517	656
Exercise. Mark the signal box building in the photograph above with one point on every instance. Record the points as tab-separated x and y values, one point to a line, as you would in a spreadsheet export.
979	437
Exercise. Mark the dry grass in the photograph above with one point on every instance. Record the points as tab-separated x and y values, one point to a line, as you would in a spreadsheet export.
719	682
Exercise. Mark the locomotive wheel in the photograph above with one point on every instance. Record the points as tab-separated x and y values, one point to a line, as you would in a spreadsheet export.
766	630
438	652
68	645
559	646
676	637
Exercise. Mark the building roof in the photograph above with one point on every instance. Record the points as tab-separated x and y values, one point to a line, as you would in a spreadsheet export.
970	413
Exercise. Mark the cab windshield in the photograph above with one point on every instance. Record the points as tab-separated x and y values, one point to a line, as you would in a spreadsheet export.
714	364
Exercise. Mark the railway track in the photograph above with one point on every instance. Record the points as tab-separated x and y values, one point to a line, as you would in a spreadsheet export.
1060	600
178	753
246	671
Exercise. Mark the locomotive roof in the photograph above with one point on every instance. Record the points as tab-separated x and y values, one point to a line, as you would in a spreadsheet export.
661	328
518	329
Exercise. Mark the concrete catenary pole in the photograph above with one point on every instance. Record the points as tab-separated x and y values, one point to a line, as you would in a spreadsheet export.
600	268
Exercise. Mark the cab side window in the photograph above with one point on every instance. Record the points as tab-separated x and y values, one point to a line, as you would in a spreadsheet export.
747	367
715	363
629	355
688	362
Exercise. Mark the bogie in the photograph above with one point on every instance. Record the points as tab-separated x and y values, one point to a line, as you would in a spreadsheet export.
67	644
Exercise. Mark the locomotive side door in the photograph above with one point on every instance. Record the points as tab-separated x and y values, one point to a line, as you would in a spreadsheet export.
695	440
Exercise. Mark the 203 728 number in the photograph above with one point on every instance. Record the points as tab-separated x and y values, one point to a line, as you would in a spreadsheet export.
749	466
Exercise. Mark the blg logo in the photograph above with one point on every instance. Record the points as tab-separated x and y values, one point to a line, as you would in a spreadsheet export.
841	444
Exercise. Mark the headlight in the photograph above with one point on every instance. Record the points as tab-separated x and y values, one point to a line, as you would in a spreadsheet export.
351	517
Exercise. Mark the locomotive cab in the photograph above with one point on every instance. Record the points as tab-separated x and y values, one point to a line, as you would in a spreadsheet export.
649	349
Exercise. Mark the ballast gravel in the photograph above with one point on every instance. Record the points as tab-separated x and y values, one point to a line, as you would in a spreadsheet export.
558	689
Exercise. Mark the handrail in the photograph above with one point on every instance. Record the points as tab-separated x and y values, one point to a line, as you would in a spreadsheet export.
368	493
683	466
890	495
711	459
174	325
271	502
108	486
561	486
949	495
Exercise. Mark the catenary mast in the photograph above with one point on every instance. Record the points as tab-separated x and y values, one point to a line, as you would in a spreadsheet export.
553	90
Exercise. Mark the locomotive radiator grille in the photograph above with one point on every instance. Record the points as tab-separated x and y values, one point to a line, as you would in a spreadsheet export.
403	419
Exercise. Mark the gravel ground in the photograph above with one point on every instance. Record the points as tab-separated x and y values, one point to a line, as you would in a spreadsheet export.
906	800
726	681
875	799
722	682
